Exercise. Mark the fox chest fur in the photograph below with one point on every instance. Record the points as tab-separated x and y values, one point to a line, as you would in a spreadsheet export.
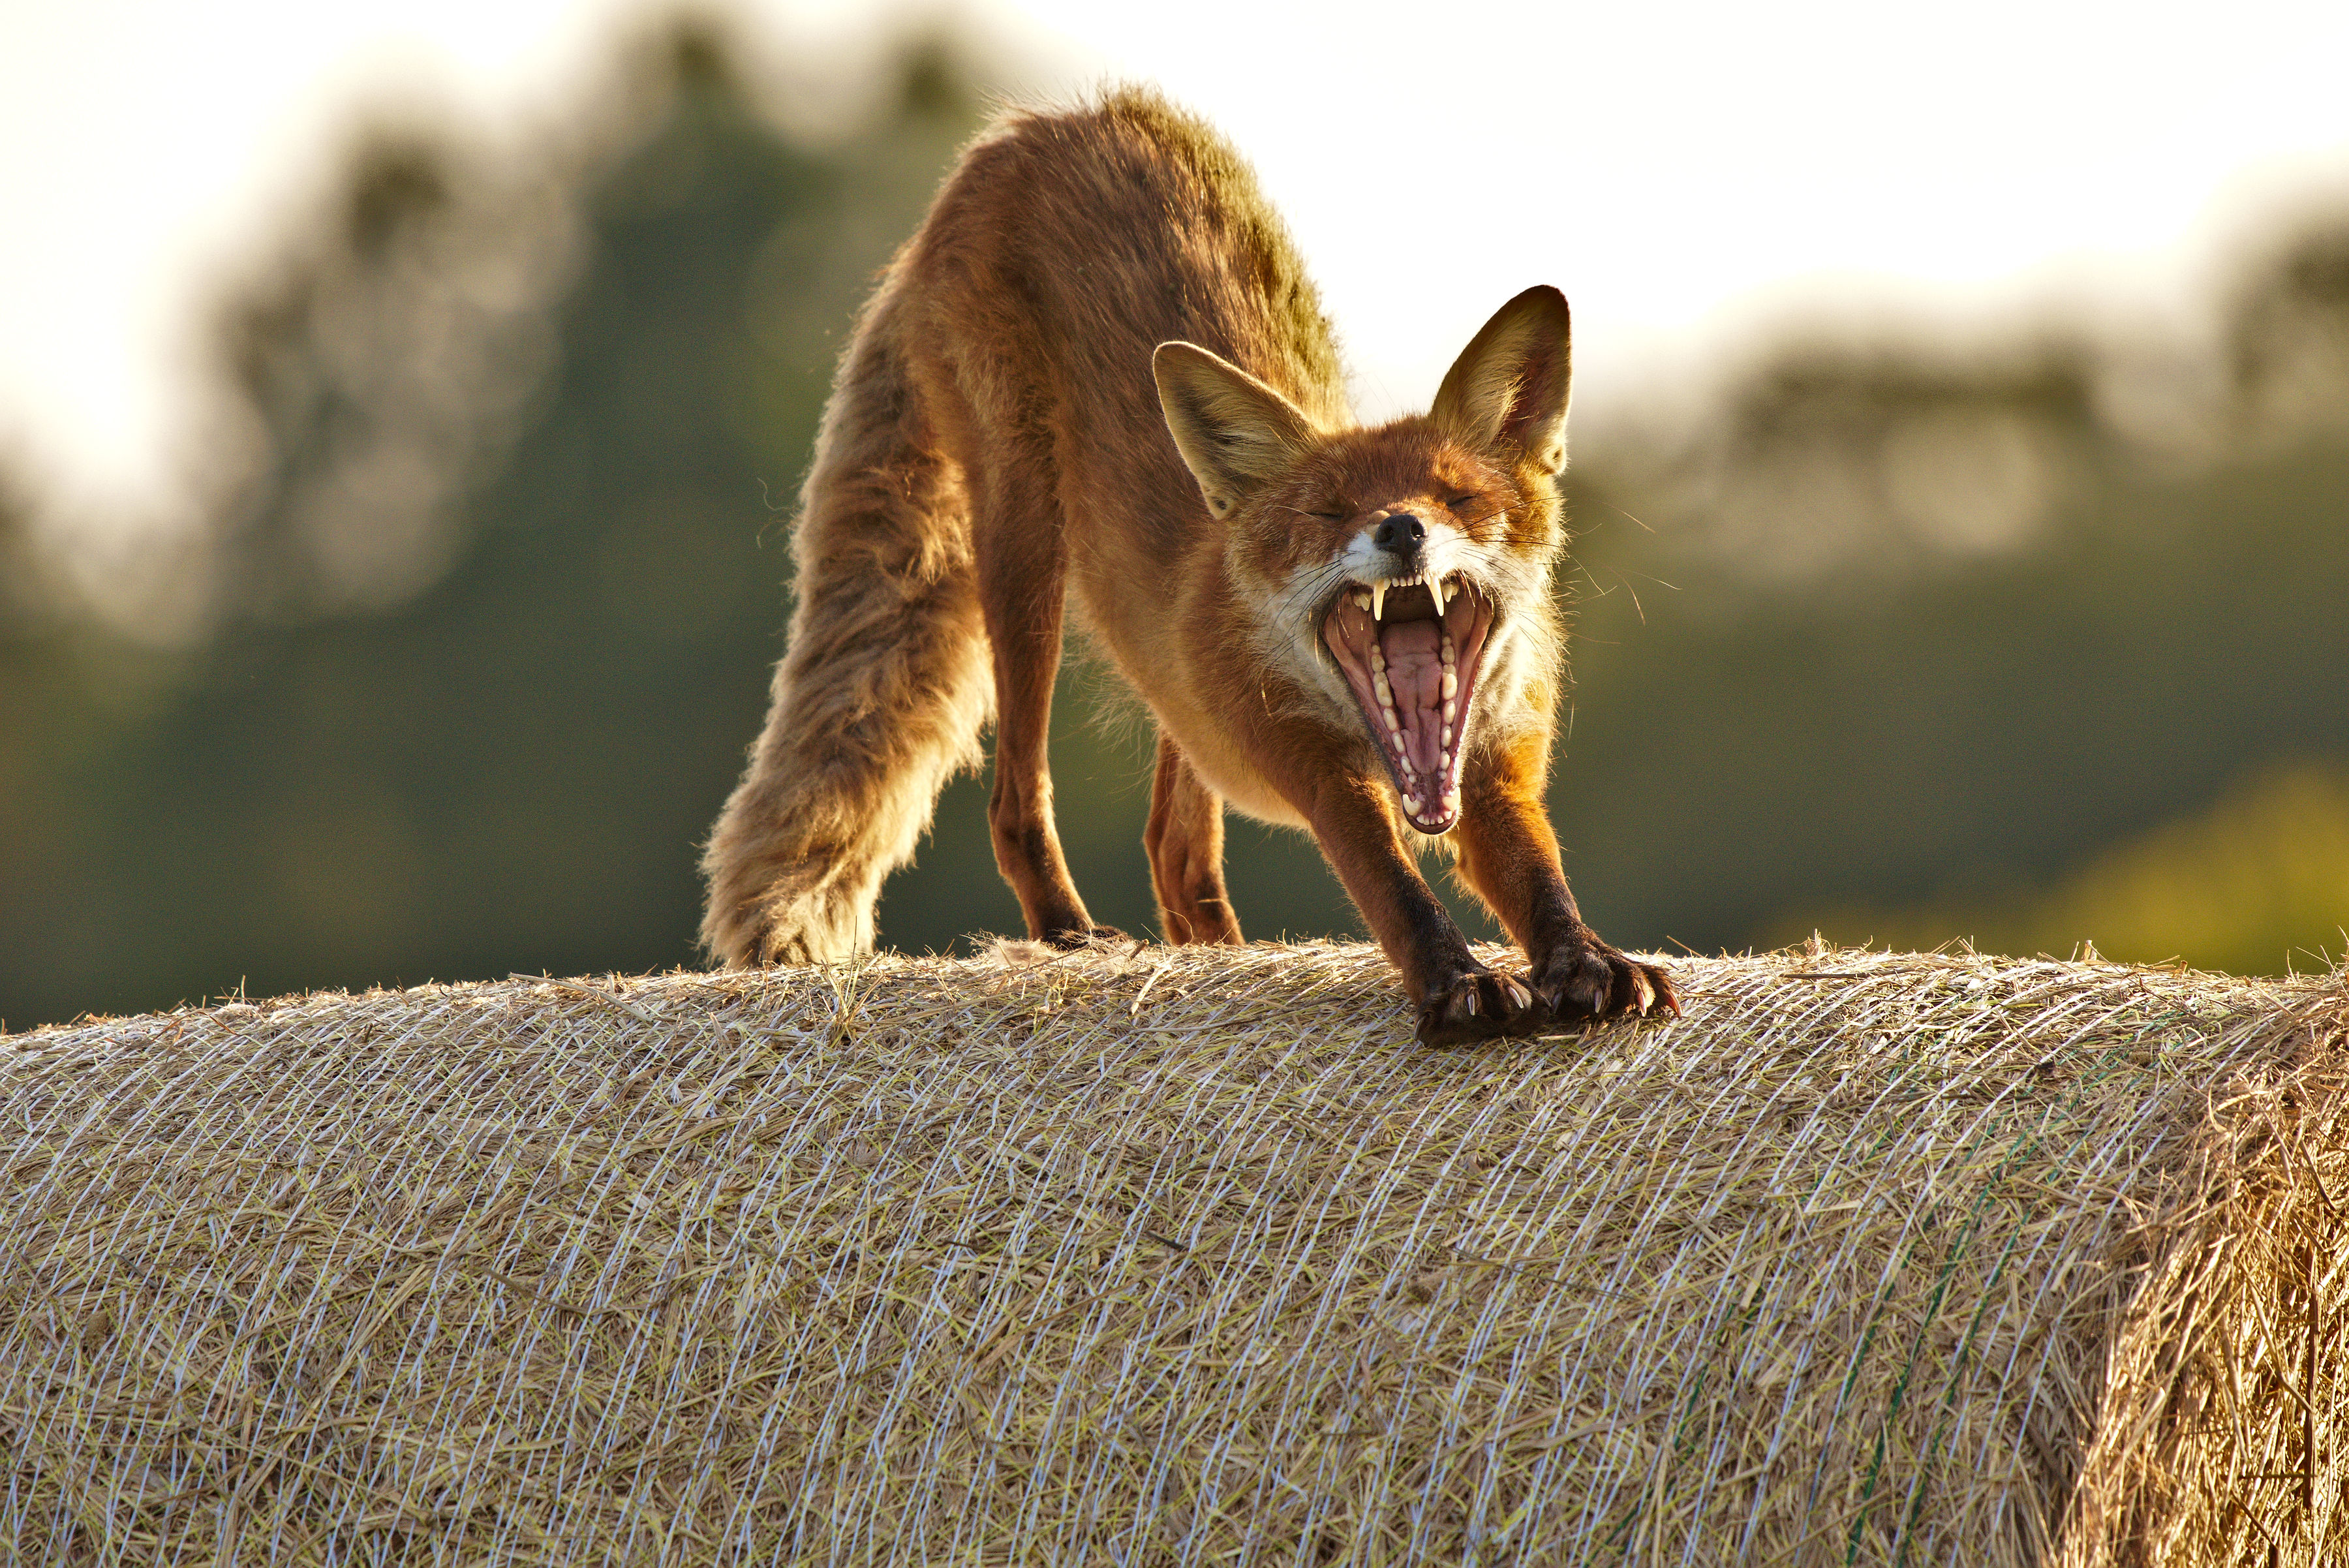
1098	381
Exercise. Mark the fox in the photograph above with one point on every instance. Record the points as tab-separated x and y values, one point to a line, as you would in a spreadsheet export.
1097	382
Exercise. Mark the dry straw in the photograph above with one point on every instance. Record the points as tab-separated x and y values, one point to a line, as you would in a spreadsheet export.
1143	1256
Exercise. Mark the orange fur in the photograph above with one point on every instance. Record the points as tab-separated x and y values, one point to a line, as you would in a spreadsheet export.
1088	285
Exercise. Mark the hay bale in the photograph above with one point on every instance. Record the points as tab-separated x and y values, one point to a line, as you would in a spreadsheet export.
1146	1256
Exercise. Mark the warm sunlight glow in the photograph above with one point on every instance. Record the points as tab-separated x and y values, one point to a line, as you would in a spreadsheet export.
1682	171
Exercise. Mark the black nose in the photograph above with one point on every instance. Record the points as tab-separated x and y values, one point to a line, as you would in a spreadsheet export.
1401	534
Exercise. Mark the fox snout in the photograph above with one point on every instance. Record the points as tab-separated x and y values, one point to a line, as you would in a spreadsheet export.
1401	534
1400	544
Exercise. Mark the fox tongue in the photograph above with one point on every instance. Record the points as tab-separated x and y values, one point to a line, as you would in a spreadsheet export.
1414	670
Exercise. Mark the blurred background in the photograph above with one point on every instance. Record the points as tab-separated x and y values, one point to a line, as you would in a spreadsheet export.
399	426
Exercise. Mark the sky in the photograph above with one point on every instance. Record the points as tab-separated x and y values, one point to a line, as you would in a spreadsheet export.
1689	173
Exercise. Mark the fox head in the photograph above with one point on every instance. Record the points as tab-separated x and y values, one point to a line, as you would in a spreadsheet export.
1398	572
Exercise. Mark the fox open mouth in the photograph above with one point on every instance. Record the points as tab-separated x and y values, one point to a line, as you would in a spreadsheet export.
1412	663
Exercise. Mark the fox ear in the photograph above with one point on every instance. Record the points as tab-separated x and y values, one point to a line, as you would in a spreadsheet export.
1232	429
1508	389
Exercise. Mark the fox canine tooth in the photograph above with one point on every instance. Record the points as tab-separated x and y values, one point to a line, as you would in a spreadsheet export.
1378	601
1435	586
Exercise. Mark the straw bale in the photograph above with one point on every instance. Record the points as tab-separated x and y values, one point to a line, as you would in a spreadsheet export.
1146	1255
2220	1438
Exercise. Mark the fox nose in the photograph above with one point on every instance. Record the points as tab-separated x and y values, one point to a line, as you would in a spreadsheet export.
1401	534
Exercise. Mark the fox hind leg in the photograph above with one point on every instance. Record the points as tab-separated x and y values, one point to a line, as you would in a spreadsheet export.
1022	573
1184	841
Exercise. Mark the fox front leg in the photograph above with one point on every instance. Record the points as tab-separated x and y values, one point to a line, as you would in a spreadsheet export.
1459	1000
1508	857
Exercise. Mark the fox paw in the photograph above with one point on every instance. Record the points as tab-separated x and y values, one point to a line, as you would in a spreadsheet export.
1585	981
1478	1005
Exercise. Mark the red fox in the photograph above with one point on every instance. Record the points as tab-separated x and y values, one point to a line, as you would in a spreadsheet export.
1097	378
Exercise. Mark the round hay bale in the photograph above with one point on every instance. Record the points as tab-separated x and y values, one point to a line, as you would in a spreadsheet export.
1144	1255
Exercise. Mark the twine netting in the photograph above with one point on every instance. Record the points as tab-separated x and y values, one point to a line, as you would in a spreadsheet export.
1144	1255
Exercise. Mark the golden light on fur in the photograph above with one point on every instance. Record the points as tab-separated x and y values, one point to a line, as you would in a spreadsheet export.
1096	386
1154	1256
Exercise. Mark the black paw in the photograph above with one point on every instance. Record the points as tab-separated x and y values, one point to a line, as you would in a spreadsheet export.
1478	1005
1585	981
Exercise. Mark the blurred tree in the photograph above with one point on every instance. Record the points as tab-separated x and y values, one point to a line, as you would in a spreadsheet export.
375	371
33	703
495	594
495	565
1854	468
2259	884
26	602
1881	725
2288	336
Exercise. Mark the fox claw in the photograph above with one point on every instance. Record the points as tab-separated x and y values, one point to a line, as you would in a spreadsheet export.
1586	982
1478	1005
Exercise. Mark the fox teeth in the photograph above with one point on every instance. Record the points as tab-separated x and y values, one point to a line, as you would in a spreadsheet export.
1451	686
1435	586
1378	601
1362	601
